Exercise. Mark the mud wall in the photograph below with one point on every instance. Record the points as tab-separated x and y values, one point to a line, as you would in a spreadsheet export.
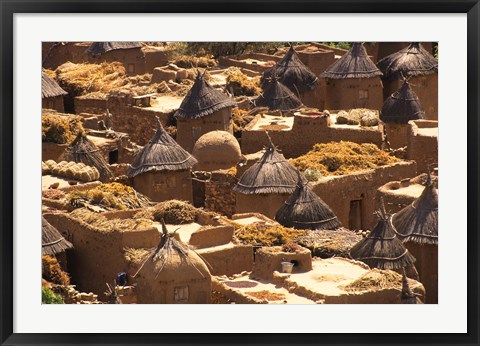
352	93
266	204
165	185
55	103
422	148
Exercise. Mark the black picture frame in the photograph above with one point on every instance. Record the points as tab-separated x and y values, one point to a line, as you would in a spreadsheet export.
7	176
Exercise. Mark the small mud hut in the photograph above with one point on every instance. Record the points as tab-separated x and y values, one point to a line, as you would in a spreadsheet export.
173	274
422	68
128	53
52	94
84	150
353	81
417	226
54	244
265	186
401	107
304	209
203	109
276	96
217	150
162	169
296	76
382	248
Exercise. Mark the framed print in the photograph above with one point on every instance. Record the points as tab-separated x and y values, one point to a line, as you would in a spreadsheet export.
239	173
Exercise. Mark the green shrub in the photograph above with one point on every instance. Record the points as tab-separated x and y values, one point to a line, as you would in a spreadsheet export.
48	297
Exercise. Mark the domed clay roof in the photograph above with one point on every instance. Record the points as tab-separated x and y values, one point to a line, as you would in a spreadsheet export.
216	150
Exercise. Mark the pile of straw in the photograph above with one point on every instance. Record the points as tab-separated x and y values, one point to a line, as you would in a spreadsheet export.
101	223
262	235
173	212
239	84
58	127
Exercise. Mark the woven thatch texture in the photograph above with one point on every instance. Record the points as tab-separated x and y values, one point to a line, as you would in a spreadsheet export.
103	47
202	100
418	222
381	248
408	297
162	153
338	158
50	87
402	106
413	60
271	174
277	96
52	241
305	210
84	150
292	73
354	64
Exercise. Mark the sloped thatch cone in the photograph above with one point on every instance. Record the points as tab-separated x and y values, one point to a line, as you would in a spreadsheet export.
305	210
402	106
413	60
173	273
50	87
53	242
418	222
161	153
84	150
292	73
277	96
271	174
202	99
381	248
354	64
104	47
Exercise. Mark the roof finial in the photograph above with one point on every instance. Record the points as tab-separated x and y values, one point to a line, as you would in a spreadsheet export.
159	123
383	211
406	290
270	140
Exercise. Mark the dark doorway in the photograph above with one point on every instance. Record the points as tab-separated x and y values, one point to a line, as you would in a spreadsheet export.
113	157
355	216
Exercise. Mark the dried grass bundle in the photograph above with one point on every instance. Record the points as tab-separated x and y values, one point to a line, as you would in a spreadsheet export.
173	212
60	128
101	223
240	84
263	235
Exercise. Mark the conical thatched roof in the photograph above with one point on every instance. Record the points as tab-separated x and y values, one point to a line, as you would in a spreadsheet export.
172	261
402	106
271	174
50	87
381	248
84	150
418	222
103	47
202	99
292	73
353	64
305	210
277	96
161	153
413	60
52	241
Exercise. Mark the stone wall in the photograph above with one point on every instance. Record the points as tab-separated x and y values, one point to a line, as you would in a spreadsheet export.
84	104
340	191
219	194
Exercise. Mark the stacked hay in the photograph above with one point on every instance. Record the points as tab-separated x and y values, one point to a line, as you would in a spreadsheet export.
101	223
259	234
189	61
52	272
356	116
71	170
109	196
375	279
173	212
239	83
58	127
339	158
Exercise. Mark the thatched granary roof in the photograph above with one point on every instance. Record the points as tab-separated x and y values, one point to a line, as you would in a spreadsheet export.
104	47
354	64
292	73
161	153
402	106
408	297
202	99
172	261
413	60
84	150
305	210
277	96
52	241
271	174
418	222
216	150
50	87
381	248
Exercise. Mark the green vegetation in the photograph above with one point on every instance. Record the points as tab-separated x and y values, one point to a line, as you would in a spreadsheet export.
48	297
